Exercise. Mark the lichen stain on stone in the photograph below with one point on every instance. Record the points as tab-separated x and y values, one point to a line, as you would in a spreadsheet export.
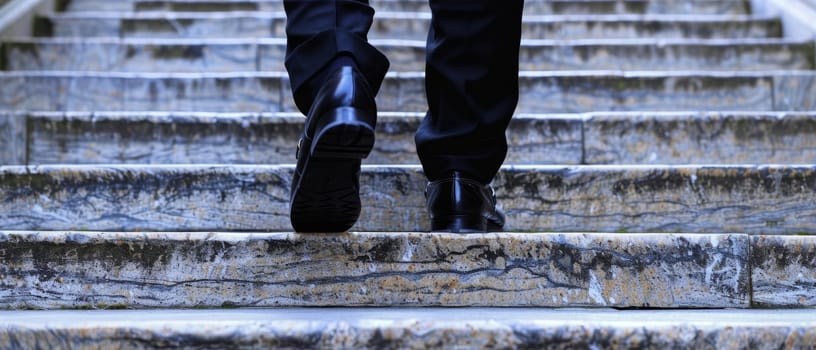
189	52
778	253
655	181
49	258
386	250
270	84
224	85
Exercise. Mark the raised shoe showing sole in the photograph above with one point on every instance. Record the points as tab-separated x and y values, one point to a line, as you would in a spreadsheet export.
326	191
338	133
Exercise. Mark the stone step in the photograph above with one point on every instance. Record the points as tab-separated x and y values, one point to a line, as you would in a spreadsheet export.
540	91
52	270
234	138
395	25
531	7
772	199
783	271
225	55
412	328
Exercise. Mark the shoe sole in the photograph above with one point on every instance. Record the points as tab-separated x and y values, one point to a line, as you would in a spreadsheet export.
327	197
464	224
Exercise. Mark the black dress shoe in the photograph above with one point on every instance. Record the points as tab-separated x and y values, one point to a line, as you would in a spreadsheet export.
458	204
338	133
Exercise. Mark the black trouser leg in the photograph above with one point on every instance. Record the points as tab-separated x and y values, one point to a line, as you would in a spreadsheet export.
321	36
471	79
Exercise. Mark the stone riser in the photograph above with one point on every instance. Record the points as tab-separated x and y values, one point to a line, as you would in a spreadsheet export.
746	199
531	7
352	328
541	91
48	270
207	55
403	26
783	271
599	138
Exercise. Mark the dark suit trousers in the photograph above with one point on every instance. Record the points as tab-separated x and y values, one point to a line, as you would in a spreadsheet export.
471	75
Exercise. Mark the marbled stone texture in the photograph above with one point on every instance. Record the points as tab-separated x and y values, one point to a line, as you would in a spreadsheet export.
354	328
594	138
134	55
12	138
682	54
82	269
89	91
576	91
619	27
545	139
783	270
207	138
256	92
203	25
267	54
541	91
530	8
408	26
206	6
703	138
749	199
795	92
163	138
734	7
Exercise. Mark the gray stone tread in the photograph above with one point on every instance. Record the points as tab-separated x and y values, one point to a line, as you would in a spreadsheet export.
387	15
396	25
751	199
560	6
263	138
213	269
267	54
413	328
549	6
559	91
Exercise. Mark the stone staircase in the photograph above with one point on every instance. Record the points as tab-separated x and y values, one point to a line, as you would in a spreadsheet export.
660	187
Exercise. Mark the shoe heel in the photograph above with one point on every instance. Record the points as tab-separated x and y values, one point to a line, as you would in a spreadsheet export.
346	132
459	224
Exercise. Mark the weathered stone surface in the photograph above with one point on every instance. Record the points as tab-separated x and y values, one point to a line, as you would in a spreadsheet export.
207	6
673	26
395	25
586	91
161	137
795	92
98	5
701	138
783	270
750	199
81	269
12	138
208	138
230	92
525	328
592	138
531	7
670	54
545	139
132	55
266	54
541	91
88	91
